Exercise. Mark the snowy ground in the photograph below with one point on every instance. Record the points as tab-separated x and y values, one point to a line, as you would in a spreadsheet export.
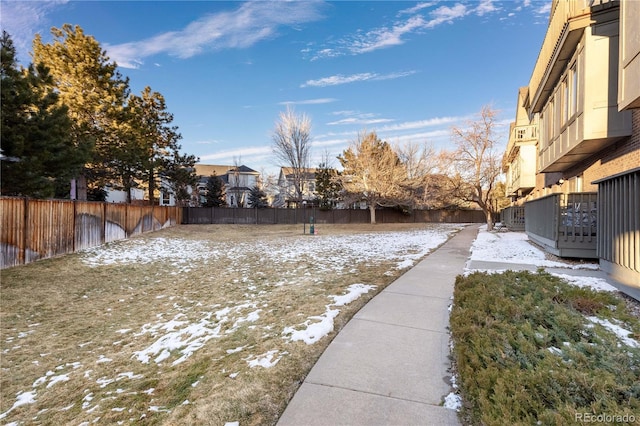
182	321
185	323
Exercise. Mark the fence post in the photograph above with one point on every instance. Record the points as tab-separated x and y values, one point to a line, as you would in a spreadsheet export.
103	231
25	224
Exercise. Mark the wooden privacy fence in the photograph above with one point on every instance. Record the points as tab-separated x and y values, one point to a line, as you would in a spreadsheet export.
38	229
212	215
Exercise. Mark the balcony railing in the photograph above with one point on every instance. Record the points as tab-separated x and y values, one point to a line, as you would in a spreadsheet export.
513	218
519	135
564	224
525	133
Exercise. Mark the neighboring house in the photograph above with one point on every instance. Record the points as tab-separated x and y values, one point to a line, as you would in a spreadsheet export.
119	196
287	196
578	122
140	194
237	181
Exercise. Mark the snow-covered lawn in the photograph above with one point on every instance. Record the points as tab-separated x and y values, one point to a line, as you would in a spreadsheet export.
514	247
119	328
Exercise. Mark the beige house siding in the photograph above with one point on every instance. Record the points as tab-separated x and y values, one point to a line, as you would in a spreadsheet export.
629	79
584	94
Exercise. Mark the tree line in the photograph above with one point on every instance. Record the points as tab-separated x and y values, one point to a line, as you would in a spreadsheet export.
410	176
71	126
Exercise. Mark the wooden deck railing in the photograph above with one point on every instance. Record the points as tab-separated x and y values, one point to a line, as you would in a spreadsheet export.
564	224
513	218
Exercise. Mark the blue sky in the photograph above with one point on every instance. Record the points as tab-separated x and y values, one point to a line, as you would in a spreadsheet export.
407	70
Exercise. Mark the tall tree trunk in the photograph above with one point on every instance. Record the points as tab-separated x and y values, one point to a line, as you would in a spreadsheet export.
81	188
487	212
372	211
152	186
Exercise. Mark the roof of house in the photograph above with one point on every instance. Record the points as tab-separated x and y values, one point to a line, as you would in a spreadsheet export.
220	170
209	169
288	171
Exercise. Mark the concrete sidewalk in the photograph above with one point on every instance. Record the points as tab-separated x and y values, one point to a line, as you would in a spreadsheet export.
389	364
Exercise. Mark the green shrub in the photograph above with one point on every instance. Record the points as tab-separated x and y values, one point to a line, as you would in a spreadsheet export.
526	354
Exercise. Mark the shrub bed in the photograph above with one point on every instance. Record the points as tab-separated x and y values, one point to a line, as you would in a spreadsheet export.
531	349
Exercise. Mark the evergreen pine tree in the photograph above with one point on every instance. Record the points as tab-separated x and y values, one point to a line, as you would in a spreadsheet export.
38	156
257	198
327	187
214	192
95	93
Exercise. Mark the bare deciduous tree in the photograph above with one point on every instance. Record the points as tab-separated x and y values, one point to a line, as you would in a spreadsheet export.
421	162
373	173
235	185
292	146
474	167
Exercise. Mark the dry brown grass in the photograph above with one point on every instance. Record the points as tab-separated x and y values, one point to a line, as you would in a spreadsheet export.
64	319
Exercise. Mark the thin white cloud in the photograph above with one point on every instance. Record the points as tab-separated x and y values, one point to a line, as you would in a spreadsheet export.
338	79
23	19
238	153
416	8
243	27
545	9
446	14
360	121
309	101
421	124
386	37
396	34
485	6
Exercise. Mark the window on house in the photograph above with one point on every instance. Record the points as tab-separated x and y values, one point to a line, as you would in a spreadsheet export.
550	122
574	90
557	117
565	101
166	198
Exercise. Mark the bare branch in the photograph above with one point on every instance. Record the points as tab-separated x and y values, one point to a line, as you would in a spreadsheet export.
476	163
292	146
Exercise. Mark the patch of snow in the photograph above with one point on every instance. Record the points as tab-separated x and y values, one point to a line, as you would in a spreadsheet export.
594	283
453	401
622	333
22	398
315	331
56	379
102	358
555	351
514	247
265	360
